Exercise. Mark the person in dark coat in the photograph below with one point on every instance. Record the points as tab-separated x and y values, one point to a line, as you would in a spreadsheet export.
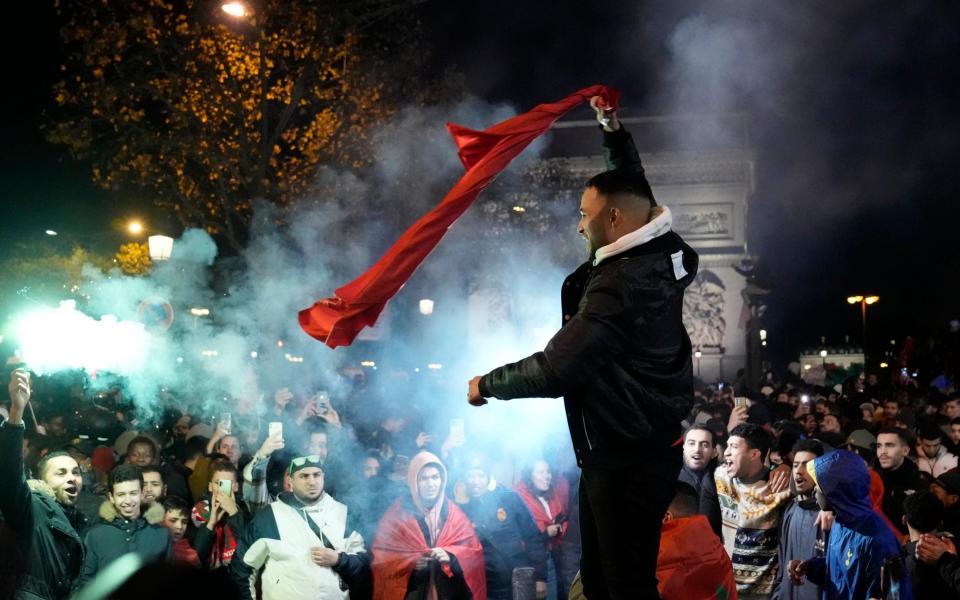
800	529
900	475
40	514
122	529
622	362
507	532
923	514
947	489
699	464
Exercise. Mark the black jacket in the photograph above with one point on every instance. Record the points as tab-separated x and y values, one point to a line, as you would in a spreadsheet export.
48	534
622	359
897	485
115	536
509	537
706	488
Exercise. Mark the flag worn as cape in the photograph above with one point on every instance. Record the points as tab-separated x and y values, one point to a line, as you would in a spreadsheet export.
692	563
336	321
399	543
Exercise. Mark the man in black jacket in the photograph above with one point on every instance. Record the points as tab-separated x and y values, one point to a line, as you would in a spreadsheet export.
900	475
507	531
42	515
122	529
622	362
697	472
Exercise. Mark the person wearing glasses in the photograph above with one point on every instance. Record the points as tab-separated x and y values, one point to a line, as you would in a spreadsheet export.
305	544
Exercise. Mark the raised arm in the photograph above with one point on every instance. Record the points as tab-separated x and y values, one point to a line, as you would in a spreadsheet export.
15	501
619	151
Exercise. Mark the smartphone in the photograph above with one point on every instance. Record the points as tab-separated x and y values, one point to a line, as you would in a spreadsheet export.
226	419
805	399
457	428
323	402
226	486
740	401
275	428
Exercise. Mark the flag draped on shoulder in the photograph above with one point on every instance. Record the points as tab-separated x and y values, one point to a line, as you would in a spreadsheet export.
336	321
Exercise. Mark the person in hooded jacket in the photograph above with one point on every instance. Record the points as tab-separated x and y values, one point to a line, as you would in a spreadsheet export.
122	529
425	546
863	559
41	514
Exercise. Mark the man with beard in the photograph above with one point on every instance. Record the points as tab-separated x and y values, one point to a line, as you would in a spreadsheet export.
900	475
751	511
41	515
623	363
507	532
697	472
800	531
122	529
304	543
425	546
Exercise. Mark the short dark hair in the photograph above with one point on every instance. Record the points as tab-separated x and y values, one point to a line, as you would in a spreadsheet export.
685	500
194	447
626	180
923	511
929	431
900	432
757	437
142	440
812	446
42	463
153	469
176	503
122	473
221	466
699	427
955	421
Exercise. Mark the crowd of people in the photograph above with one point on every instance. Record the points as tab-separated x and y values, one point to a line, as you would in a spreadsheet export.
798	492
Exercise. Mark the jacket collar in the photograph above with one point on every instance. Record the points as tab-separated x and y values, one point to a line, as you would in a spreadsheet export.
661	223
152	516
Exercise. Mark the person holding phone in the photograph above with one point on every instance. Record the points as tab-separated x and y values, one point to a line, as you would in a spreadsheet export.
40	514
220	518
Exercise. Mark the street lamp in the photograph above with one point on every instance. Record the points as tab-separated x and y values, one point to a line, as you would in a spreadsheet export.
235	9
697	356
161	247
863	301
823	357
134	227
426	306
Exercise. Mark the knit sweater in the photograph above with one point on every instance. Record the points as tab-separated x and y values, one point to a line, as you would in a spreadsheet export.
751	531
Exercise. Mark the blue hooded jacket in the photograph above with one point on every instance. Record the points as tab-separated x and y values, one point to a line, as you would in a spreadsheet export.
860	542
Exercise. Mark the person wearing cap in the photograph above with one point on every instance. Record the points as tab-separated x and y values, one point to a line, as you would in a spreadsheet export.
932	456
946	487
507	532
303	545
425	545
40	514
862	558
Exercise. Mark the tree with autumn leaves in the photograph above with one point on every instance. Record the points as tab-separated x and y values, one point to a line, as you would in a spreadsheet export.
206	113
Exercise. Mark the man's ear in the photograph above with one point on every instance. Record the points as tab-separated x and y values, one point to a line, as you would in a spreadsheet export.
667	517
614	214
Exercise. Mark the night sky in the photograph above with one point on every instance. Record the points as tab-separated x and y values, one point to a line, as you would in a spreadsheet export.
852	109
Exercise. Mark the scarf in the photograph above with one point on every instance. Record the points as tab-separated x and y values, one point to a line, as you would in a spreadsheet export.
336	321
226	543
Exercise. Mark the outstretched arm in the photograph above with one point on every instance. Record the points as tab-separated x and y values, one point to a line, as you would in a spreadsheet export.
619	151
15	501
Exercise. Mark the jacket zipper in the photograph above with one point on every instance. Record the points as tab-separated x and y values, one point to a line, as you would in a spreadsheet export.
586	435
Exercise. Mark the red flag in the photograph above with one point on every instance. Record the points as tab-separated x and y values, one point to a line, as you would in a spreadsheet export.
336	321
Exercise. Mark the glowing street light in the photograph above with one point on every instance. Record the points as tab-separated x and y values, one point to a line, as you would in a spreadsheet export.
697	356
134	227
426	306
161	247
235	9
864	301
50	232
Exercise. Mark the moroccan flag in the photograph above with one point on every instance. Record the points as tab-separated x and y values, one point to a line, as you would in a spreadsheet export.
336	321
